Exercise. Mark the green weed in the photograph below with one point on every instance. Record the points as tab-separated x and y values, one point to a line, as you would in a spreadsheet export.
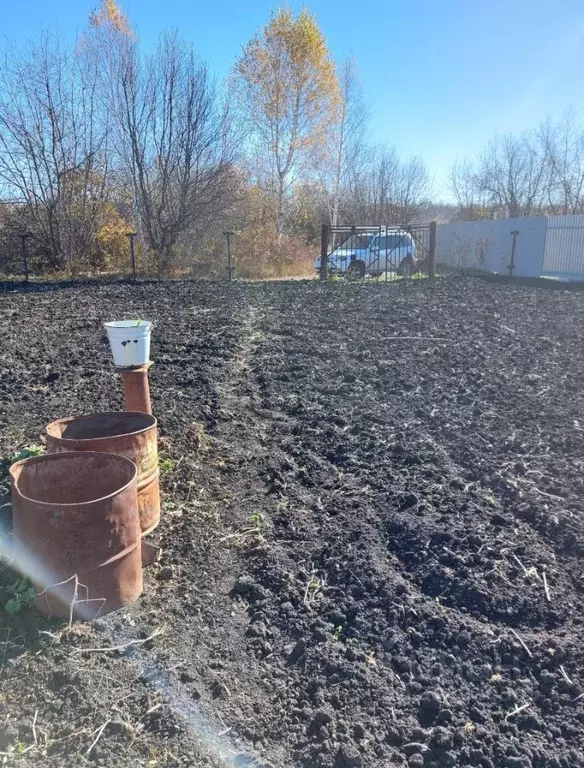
27	452
258	519
23	596
167	466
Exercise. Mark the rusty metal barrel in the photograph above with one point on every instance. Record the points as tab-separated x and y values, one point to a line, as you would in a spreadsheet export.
77	532
127	433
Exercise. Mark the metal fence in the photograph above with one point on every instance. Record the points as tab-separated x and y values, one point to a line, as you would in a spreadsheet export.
379	252
505	246
564	248
534	246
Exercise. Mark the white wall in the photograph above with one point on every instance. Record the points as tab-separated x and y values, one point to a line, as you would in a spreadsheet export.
486	245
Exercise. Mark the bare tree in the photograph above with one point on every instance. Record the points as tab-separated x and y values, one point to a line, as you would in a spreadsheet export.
512	174
409	190
383	189
530	174
378	185
563	147
464	186
53	149
172	140
345	138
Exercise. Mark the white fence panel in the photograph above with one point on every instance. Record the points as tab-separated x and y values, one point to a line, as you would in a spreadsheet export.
486	245
564	247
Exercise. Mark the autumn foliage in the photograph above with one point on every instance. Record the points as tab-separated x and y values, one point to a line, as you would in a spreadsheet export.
288	92
103	138
109	14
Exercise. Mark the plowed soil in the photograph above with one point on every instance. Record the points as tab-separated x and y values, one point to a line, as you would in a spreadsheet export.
372	533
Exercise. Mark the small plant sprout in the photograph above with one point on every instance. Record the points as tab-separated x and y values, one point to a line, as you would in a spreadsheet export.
167	466
23	596
255	528
257	518
28	452
338	633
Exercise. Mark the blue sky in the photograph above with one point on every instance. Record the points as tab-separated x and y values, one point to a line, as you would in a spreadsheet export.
440	76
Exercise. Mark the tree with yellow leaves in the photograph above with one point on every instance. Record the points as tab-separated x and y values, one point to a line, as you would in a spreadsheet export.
110	15
287	92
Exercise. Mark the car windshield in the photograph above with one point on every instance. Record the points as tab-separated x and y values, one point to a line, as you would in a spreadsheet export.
355	242
389	242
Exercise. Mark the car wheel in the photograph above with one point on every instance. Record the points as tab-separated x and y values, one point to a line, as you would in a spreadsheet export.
355	270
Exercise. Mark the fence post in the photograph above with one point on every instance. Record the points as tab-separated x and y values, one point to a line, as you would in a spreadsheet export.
230	264
514	234
432	252
131	237
25	236
324	252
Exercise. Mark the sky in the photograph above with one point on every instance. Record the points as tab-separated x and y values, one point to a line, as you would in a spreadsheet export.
440	77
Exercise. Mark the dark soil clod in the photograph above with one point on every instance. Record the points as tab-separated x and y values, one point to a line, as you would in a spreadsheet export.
354	534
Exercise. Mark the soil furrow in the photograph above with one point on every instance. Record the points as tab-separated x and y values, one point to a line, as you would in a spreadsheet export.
364	485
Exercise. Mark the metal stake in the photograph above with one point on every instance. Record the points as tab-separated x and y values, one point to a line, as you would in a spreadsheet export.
432	251
324	234
24	236
514	233
131	237
230	266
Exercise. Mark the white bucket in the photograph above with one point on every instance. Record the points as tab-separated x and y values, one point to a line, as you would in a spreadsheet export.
130	342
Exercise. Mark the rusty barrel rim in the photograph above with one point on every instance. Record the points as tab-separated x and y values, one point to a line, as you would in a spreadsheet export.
73	455
76	515
132	434
54	429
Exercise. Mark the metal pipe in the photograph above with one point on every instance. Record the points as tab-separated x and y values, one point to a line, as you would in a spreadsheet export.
514	233
230	266
24	236
131	237
432	251
137	388
324	252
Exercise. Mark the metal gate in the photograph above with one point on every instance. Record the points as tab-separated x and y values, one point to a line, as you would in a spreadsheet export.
378	252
